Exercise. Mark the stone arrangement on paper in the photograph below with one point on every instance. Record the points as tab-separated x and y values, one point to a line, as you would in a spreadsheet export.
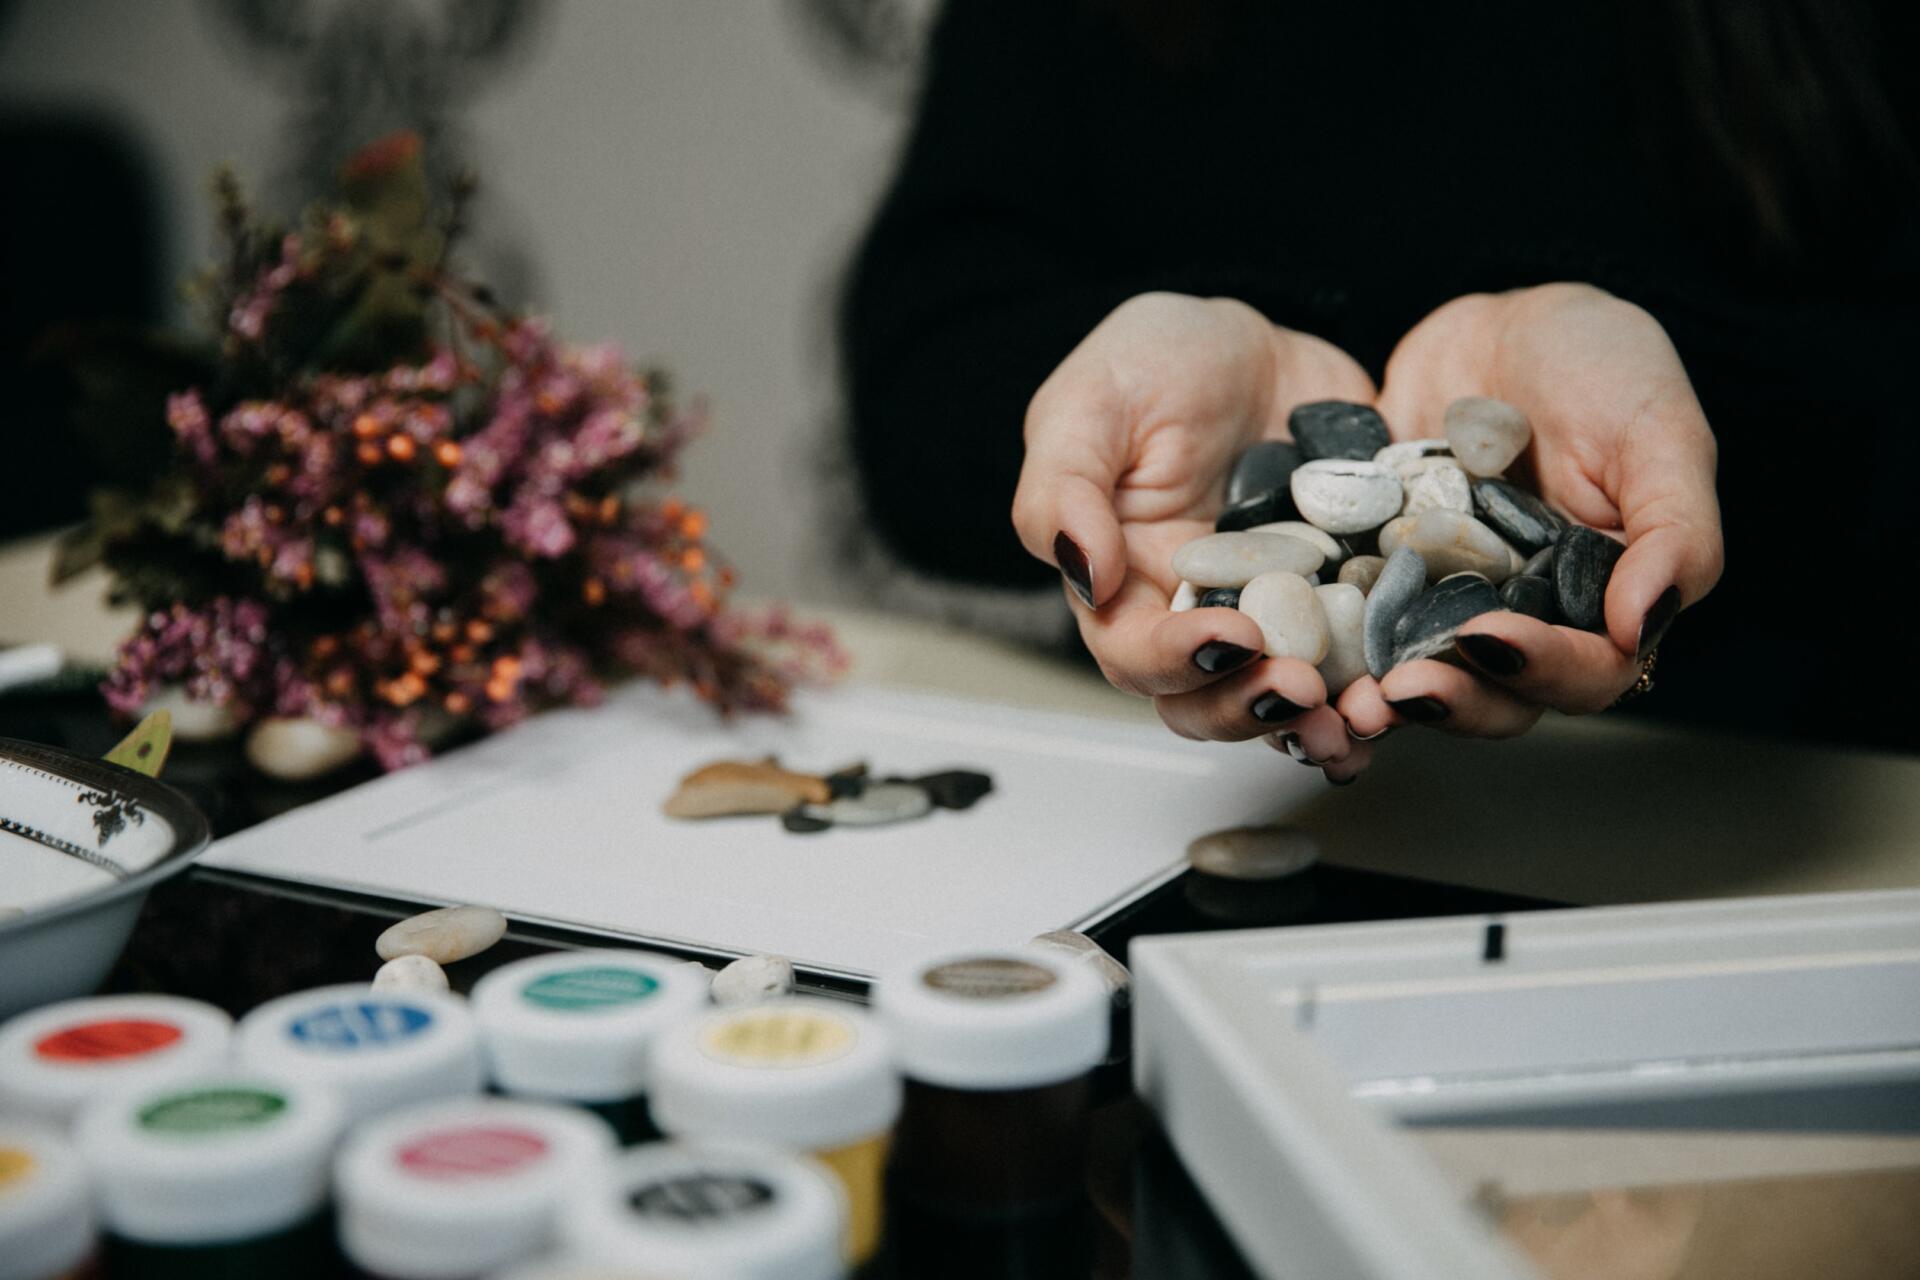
1356	554
806	803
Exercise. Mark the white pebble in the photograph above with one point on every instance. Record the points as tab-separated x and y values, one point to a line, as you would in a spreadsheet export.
297	748
445	935
1081	949
1254	853
1343	496
1436	485
1185	597
1283	606
1400	457
1486	434
410	973
1345	607
1307	533
1450	543
1235	559
752	978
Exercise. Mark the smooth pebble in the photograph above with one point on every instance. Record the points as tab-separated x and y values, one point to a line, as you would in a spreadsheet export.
1264	509
1486	434
1288	614
1081	949
953	788
1524	593
1539	564
1338	429
1345	607
752	978
1331	547
1345	496
1235	559
1221	598
1400	457
1428	628
443	936
296	748
1401	581
879	804
1261	469
1450	543
1441	487
1363	572
1254	853
410	973
1516	515
1582	567
1185	596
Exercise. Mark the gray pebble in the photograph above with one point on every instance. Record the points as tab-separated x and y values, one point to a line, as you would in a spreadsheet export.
1234	559
1363	572
1338	429
1345	608
1285	609
1330	546
1263	509
1221	598
1401	581
1254	853
1582	567
1486	434
1516	515
1524	593
879	804
1400	457
1345	496
1261	469
1429	625
1450	543
1438	486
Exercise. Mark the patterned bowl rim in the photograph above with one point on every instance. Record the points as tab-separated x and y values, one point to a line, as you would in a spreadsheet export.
191	834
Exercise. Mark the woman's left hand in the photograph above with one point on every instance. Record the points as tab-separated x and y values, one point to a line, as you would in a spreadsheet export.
1619	443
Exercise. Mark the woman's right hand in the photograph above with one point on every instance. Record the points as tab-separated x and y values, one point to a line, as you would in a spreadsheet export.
1128	445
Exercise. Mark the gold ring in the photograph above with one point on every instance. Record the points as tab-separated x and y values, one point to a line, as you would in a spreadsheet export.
1644	684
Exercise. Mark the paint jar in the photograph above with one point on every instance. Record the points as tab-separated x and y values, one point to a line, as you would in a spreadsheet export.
46	1206
738	1210
998	1047
215	1175
56	1059
579	1027
448	1190
805	1074
378	1049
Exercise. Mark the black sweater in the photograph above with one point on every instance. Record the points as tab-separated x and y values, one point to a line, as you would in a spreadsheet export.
1346	168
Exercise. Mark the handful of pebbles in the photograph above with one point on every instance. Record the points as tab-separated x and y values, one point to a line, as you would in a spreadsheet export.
1356	554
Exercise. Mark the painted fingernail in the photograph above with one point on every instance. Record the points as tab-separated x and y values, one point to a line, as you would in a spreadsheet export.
1271	708
1291	742
1368	737
1658	619
1074	567
1217	655
1421	710
1492	655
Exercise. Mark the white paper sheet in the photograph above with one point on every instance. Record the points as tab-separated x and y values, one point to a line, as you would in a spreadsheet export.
558	821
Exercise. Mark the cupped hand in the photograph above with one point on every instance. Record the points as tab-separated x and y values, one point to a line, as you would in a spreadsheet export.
1619	443
1128	443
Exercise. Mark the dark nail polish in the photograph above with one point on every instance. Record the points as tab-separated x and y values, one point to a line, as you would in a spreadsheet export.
1421	710
1658	619
1073	565
1369	737
1217	655
1271	708
1291	742
1492	655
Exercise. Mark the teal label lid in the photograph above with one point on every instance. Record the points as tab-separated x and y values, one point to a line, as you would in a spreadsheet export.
590	989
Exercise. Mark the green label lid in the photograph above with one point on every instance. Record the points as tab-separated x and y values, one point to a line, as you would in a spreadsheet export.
211	1111
589	989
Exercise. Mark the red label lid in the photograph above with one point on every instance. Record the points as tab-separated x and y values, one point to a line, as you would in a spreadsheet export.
481	1152
115	1038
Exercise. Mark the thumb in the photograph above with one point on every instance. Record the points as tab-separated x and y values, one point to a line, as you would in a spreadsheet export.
1671	514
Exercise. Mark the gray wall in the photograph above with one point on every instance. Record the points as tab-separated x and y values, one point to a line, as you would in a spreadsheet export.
683	176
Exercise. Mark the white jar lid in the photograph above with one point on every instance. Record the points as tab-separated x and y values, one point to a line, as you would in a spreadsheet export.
209	1158
793	1072
580	1025
994	1018
378	1049
719	1211
46	1207
450	1189
56	1059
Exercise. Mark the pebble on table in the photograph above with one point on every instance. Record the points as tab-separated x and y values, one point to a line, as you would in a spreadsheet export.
444	935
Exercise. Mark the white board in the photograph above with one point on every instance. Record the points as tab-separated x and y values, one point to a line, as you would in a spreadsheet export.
558	821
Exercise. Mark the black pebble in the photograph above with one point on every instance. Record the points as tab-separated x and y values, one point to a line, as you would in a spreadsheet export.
1337	429
1428	626
848	782
1261	469
1541	565
1517	515
1582	567
955	788
1221	598
1524	593
802	822
1264	509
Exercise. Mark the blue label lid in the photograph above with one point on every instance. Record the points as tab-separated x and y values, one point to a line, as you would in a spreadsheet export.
359	1024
